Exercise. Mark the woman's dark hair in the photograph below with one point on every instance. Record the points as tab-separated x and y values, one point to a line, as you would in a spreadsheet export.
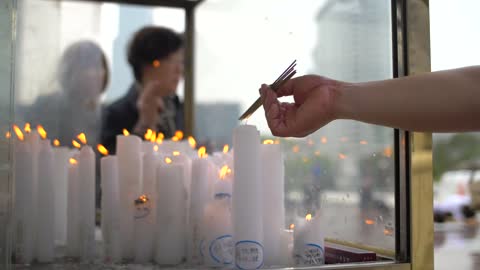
151	43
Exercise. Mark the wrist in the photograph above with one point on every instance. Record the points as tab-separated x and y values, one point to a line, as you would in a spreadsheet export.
343	100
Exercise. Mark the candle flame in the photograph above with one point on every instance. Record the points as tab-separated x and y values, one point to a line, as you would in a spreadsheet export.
42	132
202	152
192	142
148	134
82	138
143	198
156	63
292	226
73	161
102	149
56	142
179	134
226	148
18	132
76	144
125	132
369	221
168	160
160	137
363	142
175	139
176	153
154	137
387	151
324	140
224	172
268	142
342	156
388	232
8	135
155	148
27	128
308	217
296	149
277	141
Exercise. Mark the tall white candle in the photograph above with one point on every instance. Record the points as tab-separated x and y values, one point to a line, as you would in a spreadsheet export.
46	204
201	173
171	216
247	198
129	173
309	248
61	156
145	213
147	147
273	201
33	139
110	209
218	230
73	212
86	176
24	204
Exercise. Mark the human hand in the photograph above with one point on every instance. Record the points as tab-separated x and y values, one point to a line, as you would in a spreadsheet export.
149	105
313	108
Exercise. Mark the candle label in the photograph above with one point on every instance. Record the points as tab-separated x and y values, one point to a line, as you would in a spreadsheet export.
312	255
248	255
221	249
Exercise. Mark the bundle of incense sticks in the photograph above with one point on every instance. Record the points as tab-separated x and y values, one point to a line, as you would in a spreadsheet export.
285	76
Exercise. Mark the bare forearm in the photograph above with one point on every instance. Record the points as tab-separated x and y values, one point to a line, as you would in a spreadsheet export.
445	101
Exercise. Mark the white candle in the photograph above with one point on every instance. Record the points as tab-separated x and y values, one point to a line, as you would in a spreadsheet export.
24	204
223	181
46	204
110	209
33	139
129	173
273	201
86	179
61	156
73	213
218	230
247	198
286	249
201	173
147	147
171	216
309	248
145	216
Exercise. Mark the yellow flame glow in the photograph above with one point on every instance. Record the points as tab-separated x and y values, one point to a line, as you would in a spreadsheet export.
226	148
8	135
125	132
387	151
168	160
176	153
202	152
102	150
292	226
73	161
76	144
224	172
342	156
56	142
277	141
268	142
18	132
160	137
192	142
27	128
363	142
369	221
82	138
296	149
179	134
308	217
324	140
143	198
175	139
154	137
156	63
42	132
148	134
155	148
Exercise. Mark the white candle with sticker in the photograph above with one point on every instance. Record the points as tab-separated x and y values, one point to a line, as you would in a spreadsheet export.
46	204
61	155
171	216
309	248
273	200
24	204
201	173
110	207
129	173
73	209
86	179
247	198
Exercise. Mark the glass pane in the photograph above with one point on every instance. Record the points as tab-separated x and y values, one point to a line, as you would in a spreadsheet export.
344	173
6	86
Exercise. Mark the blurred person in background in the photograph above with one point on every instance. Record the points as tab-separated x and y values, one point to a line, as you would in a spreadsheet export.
74	107
155	55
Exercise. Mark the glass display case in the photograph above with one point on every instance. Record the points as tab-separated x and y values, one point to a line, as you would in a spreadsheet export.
63	62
